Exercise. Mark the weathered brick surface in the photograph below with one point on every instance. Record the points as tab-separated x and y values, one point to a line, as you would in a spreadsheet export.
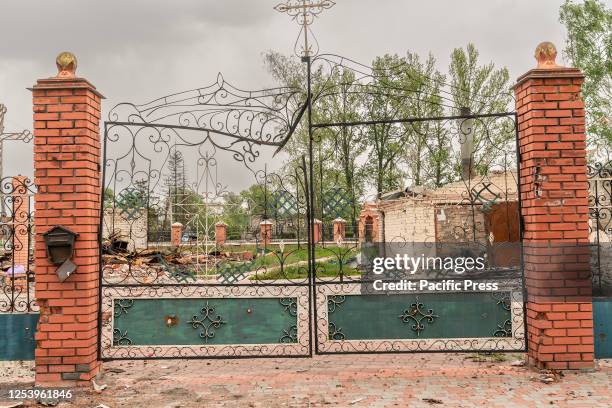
176	233
317	231
409	221
370	215
67	176
460	223
131	229
265	232
554	193
339	229
220	233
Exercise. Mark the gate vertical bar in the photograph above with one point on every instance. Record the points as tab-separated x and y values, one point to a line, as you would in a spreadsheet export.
100	235
312	261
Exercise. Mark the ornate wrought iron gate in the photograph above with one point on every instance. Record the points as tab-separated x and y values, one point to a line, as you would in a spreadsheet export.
18	309
177	281
600	231
473	209
192	269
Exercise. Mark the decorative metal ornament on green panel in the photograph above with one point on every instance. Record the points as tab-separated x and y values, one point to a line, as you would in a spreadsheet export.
131	203
503	299
334	302
336	202
335	333
504	330
289	335
283	204
416	315
289	305
120	338
207	322
121	306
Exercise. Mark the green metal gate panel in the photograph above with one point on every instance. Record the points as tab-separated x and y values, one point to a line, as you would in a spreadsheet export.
431	316
351	321
17	336
204	321
602	319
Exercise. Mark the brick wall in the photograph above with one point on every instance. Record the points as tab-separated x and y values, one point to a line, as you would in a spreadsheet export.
67	176
460	223
370	214
410	221
339	230
220	233
133	230
554	195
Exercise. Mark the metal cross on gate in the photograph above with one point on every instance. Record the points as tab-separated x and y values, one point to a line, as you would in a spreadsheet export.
304	12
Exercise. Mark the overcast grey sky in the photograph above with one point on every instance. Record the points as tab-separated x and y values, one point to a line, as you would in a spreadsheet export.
137	50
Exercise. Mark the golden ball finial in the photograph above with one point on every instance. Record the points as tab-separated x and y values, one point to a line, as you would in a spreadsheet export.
546	55
66	65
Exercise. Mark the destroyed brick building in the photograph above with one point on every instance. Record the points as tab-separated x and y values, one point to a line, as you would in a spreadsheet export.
482	209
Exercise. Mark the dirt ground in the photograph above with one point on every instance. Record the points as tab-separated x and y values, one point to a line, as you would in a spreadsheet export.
404	380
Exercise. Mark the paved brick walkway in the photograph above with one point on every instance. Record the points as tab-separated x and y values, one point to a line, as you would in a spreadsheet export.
418	380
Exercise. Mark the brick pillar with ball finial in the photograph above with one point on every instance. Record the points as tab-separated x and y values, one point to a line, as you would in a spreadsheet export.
220	233
339	230
265	232
554	206
176	234
67	177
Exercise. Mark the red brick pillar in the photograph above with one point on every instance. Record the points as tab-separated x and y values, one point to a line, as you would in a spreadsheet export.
369	215
339	230
318	231
265	228
67	176
176	233
220	233
21	220
554	191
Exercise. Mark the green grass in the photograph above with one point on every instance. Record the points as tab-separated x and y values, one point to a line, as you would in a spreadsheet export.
295	259
291	255
328	269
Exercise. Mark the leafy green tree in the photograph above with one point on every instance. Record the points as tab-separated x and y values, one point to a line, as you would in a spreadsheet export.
256	199
336	150
386	141
337	102
482	89
426	151
236	214
589	47
109	197
175	183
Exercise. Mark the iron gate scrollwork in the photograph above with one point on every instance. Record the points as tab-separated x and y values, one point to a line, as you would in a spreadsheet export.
16	246
600	226
469	203
187	196
200	230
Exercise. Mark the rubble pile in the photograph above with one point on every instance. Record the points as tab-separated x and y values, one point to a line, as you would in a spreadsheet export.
153	265
12	272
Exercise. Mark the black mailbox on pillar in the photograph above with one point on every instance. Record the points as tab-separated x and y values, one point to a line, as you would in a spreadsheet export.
60	247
